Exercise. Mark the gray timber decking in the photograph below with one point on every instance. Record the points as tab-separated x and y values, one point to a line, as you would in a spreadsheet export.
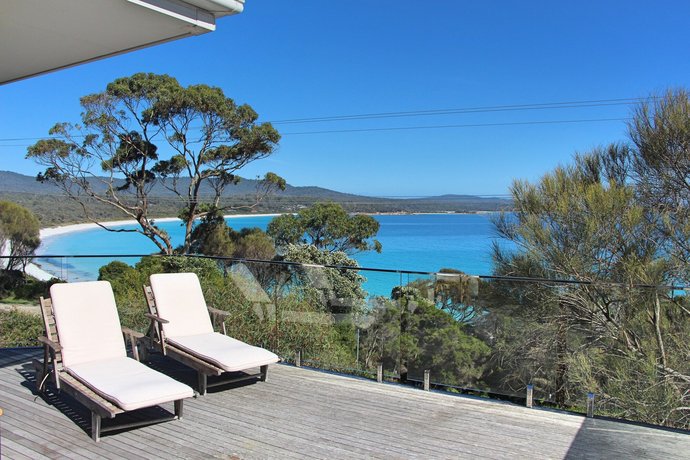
302	413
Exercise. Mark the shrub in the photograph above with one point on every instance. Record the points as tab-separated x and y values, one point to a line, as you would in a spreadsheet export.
19	329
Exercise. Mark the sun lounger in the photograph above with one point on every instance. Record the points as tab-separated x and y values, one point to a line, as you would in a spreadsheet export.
181	328
85	354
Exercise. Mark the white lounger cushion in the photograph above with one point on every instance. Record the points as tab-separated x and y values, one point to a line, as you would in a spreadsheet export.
128	383
225	352
87	322
180	301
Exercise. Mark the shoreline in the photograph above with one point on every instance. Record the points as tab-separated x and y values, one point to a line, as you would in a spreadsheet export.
50	232
54	267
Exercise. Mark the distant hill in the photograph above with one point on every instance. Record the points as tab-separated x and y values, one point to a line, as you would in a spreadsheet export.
487	200
19	183
14	182
52	209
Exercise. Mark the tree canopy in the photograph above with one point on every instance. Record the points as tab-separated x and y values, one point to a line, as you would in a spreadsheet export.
213	237
19	234
327	226
615	222
147	128
339	289
658	164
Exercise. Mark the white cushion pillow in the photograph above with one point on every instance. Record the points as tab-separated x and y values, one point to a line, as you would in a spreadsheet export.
128	383
87	322
225	352
179	300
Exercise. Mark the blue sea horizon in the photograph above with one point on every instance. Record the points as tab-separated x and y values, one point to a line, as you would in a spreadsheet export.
411	242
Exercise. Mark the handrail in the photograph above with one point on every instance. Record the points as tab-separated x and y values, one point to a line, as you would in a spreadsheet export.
520	279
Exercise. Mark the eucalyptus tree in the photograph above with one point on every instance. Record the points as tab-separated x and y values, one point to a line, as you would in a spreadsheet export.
145	130
659	160
328	227
19	235
607	329
563	227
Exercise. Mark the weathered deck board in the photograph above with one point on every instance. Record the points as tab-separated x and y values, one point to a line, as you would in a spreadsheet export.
300	413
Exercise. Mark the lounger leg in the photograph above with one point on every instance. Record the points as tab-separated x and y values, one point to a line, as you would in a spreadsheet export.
39	374
202	383
144	352
95	426
39	381
44	370
178	408
264	372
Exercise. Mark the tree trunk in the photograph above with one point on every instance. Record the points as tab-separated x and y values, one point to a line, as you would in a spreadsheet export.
561	356
657	329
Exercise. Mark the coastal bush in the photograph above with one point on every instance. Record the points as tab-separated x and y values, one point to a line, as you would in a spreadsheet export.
19	235
19	329
338	290
410	334
614	223
15	286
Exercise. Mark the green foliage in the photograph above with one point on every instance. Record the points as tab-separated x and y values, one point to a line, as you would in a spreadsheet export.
326	226
253	243
338	290
119	130
19	234
658	163
617	215
16	286
19	329
212	237
410	334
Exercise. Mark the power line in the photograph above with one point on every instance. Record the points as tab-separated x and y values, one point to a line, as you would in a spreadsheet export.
498	108
473	125
414	113
401	128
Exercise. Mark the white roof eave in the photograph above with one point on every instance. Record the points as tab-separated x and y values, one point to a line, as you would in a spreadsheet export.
38	36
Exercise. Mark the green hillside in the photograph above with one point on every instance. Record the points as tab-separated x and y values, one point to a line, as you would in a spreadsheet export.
52	208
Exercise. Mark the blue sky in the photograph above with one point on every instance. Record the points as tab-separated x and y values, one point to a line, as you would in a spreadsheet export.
312	58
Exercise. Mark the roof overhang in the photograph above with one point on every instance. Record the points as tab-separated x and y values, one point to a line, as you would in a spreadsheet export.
39	36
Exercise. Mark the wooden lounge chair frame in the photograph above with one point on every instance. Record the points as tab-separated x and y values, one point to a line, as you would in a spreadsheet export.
100	407
155	339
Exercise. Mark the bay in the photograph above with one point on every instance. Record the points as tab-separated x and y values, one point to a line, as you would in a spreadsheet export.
411	242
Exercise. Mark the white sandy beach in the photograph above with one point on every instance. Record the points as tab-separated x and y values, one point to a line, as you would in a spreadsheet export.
51	232
55	231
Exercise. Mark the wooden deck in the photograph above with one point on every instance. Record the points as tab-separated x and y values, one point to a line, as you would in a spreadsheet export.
301	413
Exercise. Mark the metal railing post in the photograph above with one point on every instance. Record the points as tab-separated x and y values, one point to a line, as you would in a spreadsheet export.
590	405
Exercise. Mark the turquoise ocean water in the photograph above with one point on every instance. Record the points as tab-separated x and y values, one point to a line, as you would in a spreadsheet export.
420	242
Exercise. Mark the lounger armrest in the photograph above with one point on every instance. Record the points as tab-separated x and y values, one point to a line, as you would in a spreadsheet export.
134	337
215	311
157	318
132	333
219	314
53	346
